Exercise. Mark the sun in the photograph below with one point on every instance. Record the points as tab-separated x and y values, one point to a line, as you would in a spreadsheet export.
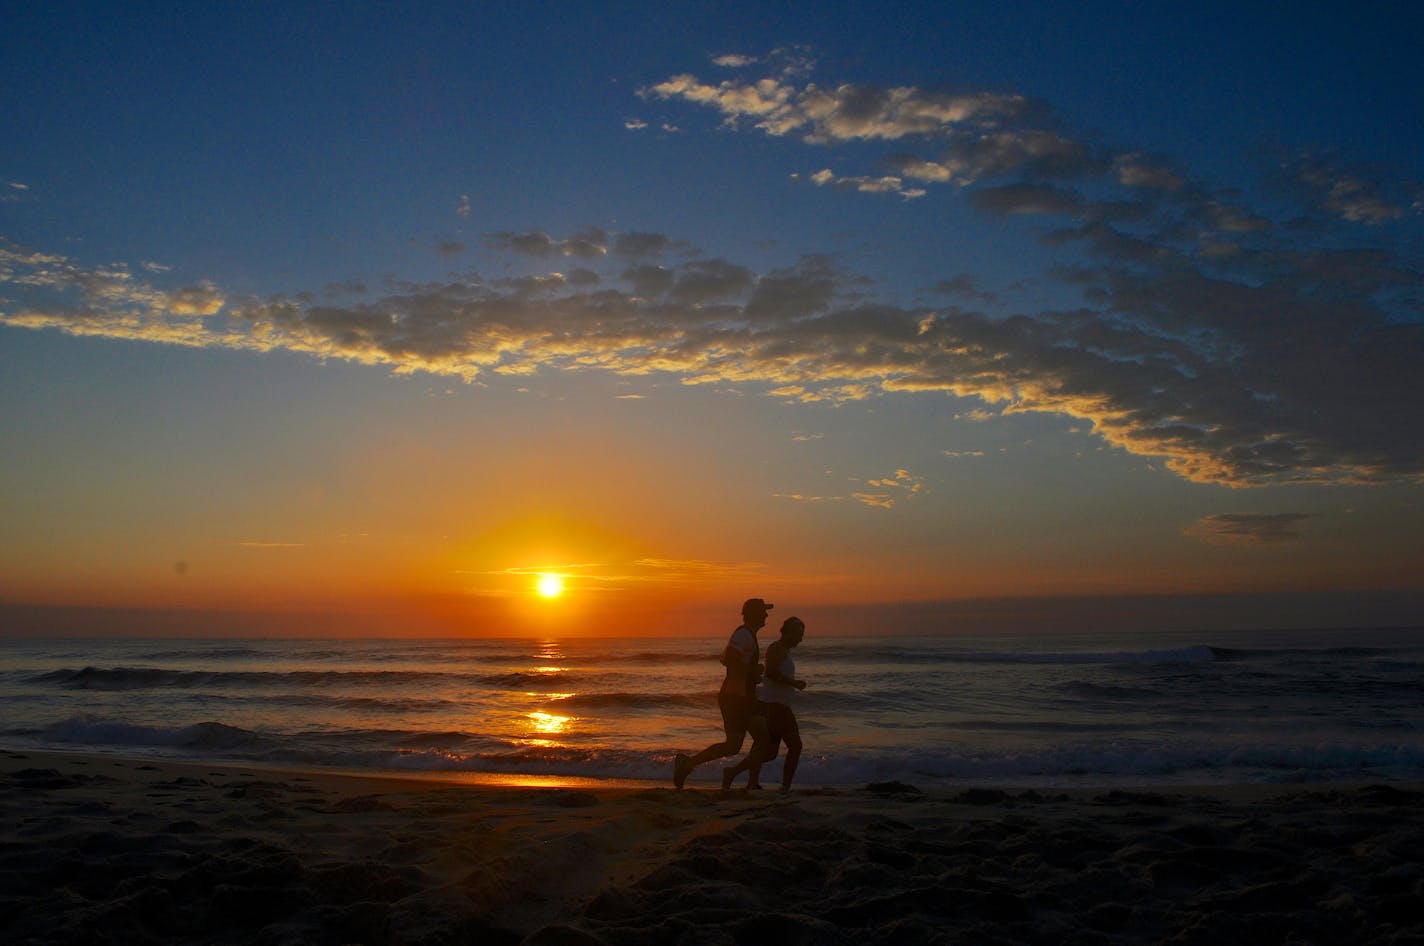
550	586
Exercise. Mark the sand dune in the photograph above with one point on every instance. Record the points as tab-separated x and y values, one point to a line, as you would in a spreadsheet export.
100	849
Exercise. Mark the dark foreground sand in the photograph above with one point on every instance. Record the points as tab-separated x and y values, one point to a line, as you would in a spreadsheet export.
104	850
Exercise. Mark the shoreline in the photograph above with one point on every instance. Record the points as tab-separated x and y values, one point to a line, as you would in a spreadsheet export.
413	779
124	850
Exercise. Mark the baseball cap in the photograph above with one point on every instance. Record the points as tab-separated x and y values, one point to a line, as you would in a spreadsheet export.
756	604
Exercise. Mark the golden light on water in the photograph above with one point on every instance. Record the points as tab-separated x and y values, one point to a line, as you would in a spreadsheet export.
548	724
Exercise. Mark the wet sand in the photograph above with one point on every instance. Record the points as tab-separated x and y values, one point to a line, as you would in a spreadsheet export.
98	849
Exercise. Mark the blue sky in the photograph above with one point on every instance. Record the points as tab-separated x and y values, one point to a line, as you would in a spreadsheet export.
302	306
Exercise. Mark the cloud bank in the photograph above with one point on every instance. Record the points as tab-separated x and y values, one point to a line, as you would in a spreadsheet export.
1237	345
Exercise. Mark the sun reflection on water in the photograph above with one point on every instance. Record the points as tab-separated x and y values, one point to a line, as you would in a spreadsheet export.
545	728
546	725
549	723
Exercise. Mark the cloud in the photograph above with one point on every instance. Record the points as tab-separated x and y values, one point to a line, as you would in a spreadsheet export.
1136	170
902	483
590	246
684	569
1247	528
1349	194
964	286
734	61
888	490
609	576
706	281
349	287
649	280
1027	199
1219	337
639	246
887	184
975	136
202	299
846	113
1306	375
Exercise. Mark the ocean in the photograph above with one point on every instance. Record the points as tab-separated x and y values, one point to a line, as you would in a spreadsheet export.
1041	711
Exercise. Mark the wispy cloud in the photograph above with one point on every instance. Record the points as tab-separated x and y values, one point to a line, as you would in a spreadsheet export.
615	576
734	61
885	491
1248	528
884	184
900	485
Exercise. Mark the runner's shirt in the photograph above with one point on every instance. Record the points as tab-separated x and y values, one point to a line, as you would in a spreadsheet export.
774	691
744	642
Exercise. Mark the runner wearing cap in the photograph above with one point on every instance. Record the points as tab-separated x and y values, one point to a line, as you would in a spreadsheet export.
737	699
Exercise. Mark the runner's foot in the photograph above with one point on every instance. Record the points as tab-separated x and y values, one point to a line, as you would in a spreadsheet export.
727	776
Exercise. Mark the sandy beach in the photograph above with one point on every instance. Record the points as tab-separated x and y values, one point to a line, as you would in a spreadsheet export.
99	849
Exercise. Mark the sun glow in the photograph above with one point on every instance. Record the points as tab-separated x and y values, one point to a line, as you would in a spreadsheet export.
550	586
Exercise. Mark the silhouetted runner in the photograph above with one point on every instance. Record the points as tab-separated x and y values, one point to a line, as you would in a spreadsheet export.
741	711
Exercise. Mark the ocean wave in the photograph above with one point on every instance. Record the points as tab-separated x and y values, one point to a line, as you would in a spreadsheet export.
206	736
214	653
1199	653
151	678
1263	653
1079	690
636	701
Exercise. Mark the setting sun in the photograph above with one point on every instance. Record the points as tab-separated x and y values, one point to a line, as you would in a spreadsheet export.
550	586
